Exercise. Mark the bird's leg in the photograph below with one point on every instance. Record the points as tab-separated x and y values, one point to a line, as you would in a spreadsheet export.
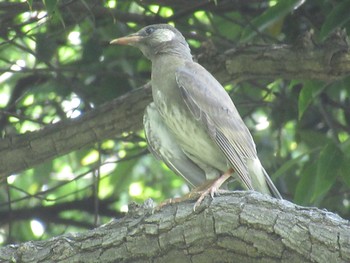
192	195
213	187
209	187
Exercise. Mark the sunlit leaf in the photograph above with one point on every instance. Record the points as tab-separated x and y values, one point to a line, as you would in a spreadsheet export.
122	176
166	11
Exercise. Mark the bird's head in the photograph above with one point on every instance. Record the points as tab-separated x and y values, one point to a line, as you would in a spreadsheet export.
156	39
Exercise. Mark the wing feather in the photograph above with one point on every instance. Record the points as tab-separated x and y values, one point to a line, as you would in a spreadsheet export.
210	103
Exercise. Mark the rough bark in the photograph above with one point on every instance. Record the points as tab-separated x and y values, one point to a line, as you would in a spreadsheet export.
237	227
124	114
302	60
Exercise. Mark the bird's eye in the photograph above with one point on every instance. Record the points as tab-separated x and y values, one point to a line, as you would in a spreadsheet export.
149	30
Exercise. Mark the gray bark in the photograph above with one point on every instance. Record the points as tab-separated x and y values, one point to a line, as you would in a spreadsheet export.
329	61
236	227
124	114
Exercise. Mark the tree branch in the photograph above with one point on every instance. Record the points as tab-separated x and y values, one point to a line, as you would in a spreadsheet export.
246	226
304	60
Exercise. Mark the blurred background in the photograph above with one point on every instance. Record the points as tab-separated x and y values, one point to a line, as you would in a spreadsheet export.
56	64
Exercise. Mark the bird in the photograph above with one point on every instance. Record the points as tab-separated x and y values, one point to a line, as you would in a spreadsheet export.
192	124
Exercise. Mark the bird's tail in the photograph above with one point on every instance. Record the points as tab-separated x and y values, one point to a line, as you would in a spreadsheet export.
261	180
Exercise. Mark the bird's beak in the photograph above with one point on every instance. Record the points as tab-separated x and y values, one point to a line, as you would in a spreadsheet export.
127	40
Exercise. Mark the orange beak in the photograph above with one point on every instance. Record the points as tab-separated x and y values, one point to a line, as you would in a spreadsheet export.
127	40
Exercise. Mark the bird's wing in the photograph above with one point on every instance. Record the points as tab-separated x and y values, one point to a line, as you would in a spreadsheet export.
210	104
162	144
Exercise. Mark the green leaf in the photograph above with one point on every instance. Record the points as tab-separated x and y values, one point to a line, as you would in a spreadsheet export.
305	98
51	6
60	18
345	147
290	164
92	49
335	19
306	185
313	139
122	176
328	166
269	17
344	170
30	3
308	93
45	47
41	171
53	11
228	29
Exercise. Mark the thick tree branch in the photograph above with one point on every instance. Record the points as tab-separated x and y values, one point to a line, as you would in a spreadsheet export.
327	62
245	226
124	114
286	63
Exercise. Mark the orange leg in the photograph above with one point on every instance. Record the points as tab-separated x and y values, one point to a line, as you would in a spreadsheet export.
192	195
209	187
213	187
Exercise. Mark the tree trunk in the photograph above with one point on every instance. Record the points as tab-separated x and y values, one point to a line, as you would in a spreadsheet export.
235	227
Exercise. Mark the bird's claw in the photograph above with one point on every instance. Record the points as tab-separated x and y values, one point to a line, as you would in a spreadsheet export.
210	191
213	191
213	188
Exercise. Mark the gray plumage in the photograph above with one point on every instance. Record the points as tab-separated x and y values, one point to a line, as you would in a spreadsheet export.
196	117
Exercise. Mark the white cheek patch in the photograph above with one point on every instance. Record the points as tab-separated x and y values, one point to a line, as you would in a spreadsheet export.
165	35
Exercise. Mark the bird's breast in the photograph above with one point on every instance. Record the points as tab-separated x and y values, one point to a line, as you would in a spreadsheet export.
190	134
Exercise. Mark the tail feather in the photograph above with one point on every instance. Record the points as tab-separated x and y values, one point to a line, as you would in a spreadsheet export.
272	187
261	180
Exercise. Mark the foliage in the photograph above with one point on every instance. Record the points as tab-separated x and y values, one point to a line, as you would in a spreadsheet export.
56	64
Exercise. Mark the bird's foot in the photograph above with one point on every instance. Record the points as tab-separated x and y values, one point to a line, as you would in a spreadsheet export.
192	195
213	188
212	191
210	187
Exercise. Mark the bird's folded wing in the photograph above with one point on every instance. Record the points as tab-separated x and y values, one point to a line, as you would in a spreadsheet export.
162	144
211	105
